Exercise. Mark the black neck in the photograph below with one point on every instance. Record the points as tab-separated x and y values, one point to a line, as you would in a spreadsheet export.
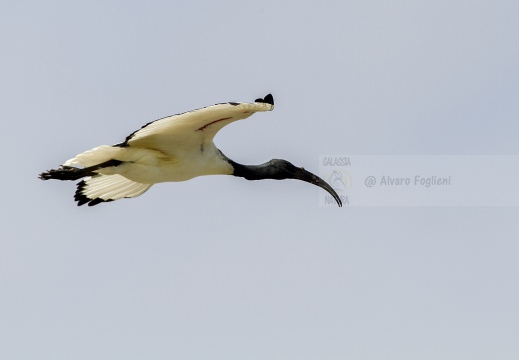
255	172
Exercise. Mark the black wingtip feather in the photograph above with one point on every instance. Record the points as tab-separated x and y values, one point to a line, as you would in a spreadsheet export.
82	199
268	99
78	196
98	201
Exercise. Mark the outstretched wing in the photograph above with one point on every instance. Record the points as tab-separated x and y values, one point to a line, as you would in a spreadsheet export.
193	128
102	188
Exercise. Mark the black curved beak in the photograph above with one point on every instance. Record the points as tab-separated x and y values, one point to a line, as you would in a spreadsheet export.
304	175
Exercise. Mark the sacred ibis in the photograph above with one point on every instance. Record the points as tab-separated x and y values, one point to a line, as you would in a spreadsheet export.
174	148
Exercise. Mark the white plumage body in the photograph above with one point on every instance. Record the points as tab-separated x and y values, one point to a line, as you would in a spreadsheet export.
150	166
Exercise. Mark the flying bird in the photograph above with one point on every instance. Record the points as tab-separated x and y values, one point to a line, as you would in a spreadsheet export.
175	148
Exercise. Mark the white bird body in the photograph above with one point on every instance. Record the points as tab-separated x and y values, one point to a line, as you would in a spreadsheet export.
150	166
174	148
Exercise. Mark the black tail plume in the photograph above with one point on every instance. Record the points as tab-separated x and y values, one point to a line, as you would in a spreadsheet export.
74	173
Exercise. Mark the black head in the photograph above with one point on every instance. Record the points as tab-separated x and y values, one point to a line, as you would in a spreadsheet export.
279	169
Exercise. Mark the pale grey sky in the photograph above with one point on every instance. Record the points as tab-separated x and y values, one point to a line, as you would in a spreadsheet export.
222	268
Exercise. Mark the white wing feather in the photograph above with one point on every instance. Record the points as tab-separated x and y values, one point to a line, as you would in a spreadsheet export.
193	128
109	187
